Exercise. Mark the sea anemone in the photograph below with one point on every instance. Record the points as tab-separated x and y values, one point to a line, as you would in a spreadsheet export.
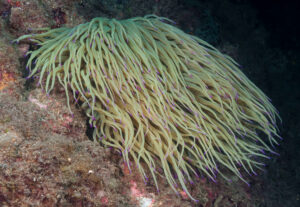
159	96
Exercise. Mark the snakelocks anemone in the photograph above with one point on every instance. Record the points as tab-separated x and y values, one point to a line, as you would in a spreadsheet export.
160	96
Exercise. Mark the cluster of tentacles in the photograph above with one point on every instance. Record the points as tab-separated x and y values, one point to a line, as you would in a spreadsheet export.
158	95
